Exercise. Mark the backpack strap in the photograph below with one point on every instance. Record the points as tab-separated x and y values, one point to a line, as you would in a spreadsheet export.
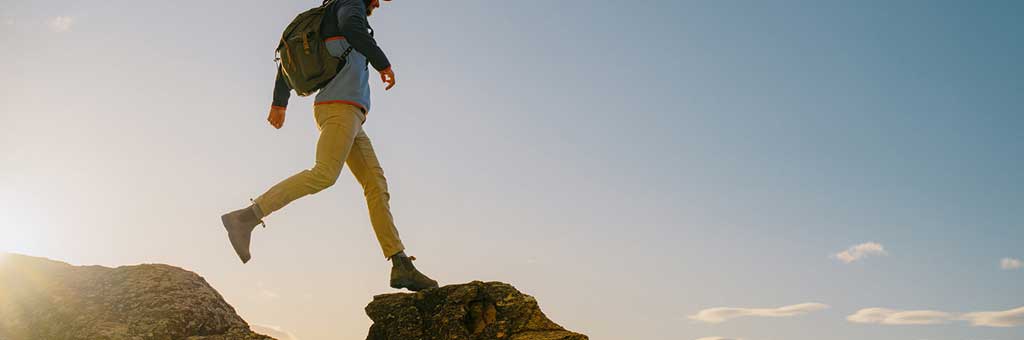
344	57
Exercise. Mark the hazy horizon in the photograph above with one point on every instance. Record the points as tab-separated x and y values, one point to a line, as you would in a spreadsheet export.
664	170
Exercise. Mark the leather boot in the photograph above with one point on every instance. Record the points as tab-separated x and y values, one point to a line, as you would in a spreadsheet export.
239	224
405	275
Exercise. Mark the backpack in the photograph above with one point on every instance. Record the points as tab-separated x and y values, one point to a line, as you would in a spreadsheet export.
302	55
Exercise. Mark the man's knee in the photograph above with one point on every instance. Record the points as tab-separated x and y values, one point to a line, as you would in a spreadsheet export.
376	189
322	178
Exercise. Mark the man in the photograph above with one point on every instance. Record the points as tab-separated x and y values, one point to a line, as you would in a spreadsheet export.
340	110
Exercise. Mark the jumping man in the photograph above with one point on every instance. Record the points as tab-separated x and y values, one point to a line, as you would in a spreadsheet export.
340	110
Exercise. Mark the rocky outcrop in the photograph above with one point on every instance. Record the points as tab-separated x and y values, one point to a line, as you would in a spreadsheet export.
44	299
473	311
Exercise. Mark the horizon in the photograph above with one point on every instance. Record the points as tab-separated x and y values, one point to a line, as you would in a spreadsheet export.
691	170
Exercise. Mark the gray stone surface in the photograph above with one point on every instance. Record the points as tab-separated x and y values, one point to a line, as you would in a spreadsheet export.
44	299
472	311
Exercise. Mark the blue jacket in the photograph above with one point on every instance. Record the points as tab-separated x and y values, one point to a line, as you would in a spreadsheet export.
351	85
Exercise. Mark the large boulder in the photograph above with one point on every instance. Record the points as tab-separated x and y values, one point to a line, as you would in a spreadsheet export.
44	299
472	311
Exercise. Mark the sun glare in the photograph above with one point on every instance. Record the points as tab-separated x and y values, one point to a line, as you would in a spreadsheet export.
19	229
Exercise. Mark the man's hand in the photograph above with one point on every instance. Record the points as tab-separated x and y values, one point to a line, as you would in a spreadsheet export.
276	117
388	77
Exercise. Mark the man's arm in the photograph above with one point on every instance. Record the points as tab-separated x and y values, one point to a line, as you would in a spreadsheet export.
352	18
281	94
281	90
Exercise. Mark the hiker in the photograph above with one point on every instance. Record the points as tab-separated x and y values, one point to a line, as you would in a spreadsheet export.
340	109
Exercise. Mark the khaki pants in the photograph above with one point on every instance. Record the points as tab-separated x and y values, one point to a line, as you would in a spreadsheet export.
342	139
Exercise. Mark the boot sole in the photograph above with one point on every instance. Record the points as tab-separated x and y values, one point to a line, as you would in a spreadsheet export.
408	285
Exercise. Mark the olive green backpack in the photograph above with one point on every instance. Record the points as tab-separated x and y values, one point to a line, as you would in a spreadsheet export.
302	54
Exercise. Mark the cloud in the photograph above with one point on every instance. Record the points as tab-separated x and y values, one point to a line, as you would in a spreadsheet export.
273	331
860	251
60	23
721	314
718	338
886	316
1008	318
1010	264
265	292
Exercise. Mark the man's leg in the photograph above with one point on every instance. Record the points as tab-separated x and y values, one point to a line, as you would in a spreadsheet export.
363	163
338	124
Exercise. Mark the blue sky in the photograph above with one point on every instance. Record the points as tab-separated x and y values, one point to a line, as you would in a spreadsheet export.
630	164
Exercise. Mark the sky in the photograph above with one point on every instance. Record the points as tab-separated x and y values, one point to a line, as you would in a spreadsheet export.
665	170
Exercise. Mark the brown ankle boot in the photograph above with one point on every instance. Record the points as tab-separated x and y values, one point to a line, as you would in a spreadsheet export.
405	275
239	224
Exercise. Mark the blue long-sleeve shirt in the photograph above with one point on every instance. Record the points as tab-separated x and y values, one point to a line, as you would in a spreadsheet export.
348	27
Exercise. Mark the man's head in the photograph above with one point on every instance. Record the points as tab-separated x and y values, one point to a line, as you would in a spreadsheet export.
372	5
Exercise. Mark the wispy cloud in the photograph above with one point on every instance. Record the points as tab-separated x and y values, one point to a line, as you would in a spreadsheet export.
265	292
60	23
273	331
1010	263
1007	318
860	251
722	314
885	316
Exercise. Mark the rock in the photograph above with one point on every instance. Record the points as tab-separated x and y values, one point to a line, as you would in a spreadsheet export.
472	311
44	299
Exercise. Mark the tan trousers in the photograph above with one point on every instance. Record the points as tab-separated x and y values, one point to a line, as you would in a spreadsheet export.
342	139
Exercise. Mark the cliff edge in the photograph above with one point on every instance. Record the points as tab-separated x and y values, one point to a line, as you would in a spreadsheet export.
45	299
